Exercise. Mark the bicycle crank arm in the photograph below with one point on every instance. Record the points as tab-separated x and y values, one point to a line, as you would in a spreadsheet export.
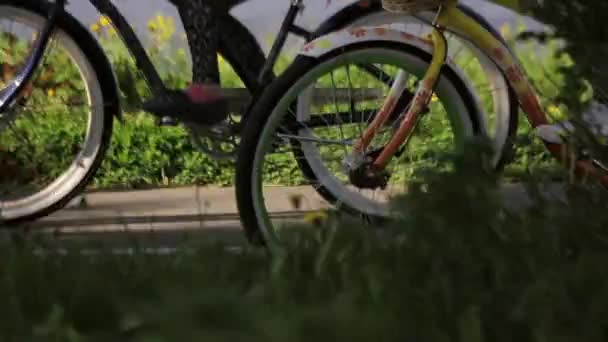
11	93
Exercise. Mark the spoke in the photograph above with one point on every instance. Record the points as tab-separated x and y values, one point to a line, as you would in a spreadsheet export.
312	117
376	72
351	103
333	82
320	141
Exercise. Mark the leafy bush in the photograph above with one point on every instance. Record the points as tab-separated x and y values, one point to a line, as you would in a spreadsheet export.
529	152
144	155
580	26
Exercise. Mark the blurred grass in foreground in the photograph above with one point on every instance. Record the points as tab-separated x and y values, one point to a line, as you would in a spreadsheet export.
457	266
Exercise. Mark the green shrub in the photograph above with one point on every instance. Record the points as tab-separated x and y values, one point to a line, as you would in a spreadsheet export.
144	155
457	266
529	152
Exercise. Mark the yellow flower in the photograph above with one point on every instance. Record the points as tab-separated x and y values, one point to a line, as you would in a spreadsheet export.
434	98
95	28
160	20
554	110
104	21
50	92
152	27
317	218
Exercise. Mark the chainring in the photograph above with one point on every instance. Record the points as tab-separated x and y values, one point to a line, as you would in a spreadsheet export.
220	142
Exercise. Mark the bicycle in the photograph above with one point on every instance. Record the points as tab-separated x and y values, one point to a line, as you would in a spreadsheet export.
360	166
28	79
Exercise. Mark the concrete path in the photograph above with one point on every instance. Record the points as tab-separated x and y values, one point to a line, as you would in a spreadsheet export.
168	209
165	217
171	216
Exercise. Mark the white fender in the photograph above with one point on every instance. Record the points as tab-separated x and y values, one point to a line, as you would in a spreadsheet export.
389	33
349	36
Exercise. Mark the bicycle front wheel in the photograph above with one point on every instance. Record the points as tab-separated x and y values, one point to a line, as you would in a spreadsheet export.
54	138
302	130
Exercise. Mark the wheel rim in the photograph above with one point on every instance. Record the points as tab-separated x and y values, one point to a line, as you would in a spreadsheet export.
14	206
413	65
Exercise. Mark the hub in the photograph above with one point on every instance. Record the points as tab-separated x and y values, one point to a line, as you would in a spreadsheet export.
363	174
367	176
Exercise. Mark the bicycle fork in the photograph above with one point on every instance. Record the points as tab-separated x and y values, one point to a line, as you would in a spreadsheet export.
412	114
11	93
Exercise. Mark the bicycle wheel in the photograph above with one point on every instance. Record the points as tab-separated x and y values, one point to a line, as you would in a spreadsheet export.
55	137
499	102
280	135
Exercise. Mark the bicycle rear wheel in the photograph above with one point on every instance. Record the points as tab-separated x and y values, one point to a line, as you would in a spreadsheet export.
55	137
302	151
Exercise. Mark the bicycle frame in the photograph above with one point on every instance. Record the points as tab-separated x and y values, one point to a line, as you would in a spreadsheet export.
136	49
451	16
143	62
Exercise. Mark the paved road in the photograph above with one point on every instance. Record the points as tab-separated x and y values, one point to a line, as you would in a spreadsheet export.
169	217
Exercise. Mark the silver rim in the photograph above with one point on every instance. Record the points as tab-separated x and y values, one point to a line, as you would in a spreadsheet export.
498	129
71	178
447	92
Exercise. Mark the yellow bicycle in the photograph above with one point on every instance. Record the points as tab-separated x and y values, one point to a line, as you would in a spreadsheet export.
359	160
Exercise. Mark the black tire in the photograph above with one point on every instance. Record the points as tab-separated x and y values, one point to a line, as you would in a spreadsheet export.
103	72
273	94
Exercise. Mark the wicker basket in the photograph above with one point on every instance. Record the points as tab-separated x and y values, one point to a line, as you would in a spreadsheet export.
411	6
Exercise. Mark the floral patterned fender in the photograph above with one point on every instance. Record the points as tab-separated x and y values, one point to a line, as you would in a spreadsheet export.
389	33
342	38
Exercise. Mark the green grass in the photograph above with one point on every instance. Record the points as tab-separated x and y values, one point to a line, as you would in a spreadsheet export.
457	266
